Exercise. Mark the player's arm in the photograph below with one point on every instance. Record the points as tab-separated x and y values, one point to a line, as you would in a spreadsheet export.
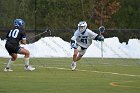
73	42
7	35
96	36
23	41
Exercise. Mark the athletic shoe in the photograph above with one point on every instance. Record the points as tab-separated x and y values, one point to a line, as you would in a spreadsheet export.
73	65
29	68
8	69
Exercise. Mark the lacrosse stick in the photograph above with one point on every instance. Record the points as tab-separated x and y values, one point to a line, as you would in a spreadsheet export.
46	31
101	30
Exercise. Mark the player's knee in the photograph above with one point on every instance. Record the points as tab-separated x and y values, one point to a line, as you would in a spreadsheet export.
27	53
14	57
80	55
75	54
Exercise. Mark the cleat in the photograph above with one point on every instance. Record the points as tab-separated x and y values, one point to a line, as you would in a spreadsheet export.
29	68
73	66
8	69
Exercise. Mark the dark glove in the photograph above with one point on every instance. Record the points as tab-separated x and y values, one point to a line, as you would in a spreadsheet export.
99	38
73	44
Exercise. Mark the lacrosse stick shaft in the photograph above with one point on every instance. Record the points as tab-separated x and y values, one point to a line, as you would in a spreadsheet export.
39	34
36	35
102	29
46	31
102	54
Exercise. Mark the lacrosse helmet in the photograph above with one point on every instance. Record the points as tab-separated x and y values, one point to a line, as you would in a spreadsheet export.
19	23
82	25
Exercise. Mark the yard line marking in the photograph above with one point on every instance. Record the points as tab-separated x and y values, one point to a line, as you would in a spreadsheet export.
45	66
95	71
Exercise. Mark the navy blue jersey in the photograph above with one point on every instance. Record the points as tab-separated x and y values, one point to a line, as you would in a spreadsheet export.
15	35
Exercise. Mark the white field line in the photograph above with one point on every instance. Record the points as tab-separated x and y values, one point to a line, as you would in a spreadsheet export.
45	66
97	72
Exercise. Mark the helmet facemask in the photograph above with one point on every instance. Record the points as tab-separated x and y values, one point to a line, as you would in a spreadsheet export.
82	26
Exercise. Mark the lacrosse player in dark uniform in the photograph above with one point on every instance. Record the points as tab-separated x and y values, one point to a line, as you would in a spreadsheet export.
15	37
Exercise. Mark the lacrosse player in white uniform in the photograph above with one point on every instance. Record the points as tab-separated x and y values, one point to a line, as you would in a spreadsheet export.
81	40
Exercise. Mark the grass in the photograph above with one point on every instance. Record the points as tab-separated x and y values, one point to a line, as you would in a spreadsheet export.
53	75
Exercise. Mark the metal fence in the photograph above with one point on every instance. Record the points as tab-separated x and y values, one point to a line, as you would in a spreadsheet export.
33	35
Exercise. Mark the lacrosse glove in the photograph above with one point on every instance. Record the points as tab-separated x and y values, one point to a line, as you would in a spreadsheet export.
99	38
73	44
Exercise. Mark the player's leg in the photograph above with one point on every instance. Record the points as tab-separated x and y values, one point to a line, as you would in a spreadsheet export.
26	58
73	64
10	62
78	54
75	55
12	52
81	53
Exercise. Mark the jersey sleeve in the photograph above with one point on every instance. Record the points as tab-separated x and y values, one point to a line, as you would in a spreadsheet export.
93	34
74	36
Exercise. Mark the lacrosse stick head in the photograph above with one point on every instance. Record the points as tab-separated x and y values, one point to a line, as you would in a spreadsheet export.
102	29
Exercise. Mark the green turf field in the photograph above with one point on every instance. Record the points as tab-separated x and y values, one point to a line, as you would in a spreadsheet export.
53	75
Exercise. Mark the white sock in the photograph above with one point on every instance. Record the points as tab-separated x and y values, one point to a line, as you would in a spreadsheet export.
10	62
74	63
26	60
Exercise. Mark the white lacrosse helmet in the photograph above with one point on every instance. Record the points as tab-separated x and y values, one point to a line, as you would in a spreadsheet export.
82	25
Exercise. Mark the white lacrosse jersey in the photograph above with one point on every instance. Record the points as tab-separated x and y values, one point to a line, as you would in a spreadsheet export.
85	38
